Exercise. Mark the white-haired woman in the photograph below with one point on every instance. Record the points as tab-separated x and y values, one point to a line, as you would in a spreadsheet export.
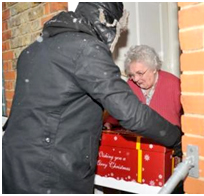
154	87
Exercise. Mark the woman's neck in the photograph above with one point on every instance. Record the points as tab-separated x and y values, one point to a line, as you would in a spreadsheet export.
148	93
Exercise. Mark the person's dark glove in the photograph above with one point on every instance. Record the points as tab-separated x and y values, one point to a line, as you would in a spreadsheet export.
177	147
177	150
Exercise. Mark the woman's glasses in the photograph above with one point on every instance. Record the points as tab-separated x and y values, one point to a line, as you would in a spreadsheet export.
138	74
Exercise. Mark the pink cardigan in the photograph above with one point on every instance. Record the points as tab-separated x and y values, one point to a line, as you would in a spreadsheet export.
165	100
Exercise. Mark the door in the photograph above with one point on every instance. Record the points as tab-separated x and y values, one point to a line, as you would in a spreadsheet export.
154	24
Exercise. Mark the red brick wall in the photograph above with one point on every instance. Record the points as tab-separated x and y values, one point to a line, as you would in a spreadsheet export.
21	24
191	35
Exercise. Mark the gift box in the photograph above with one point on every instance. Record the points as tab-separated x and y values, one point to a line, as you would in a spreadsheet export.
124	155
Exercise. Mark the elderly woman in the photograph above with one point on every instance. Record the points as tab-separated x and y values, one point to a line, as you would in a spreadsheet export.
154	87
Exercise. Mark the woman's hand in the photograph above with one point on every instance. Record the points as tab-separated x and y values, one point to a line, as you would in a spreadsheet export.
107	126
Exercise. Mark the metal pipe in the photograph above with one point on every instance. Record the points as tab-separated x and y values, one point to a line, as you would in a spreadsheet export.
173	39
180	173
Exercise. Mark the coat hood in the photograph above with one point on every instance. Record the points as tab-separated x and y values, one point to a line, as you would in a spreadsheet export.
99	19
67	21
103	16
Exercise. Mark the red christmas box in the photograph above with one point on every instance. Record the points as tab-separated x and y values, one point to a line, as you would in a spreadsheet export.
124	155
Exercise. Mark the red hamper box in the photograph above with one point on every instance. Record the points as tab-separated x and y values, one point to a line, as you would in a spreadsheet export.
125	156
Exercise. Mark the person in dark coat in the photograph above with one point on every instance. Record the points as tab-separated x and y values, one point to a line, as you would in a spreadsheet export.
65	80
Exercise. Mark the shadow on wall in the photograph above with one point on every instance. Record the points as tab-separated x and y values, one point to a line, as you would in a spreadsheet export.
122	42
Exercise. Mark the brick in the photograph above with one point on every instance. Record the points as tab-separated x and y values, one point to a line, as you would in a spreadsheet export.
18	20
193	16
9	94
15	32
9	85
183	4
24	17
26	40
5	66
8	104
35	25
57	6
9	4
186	140
25	28
14	22
25	5
47	8
10	75
8	110
35	13
20	41
192	125
192	61
8	66
4	25
5	46
14	11
6	35
20	7
201	168
45	19
191	40
5	15
192	83
7	55
193	186
3	5
193	104
16	42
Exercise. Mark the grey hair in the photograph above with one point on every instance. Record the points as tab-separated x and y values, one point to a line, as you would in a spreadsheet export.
143	54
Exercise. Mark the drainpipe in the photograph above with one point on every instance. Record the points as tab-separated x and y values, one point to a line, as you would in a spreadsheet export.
173	49
187	167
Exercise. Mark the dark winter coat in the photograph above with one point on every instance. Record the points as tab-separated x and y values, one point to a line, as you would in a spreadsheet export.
64	81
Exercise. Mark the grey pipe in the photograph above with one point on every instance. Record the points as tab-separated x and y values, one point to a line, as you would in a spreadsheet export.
173	44
180	173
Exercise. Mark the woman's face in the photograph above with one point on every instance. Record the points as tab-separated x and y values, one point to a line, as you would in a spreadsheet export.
143	76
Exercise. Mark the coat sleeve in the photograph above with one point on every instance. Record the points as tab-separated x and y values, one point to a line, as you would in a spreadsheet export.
97	74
